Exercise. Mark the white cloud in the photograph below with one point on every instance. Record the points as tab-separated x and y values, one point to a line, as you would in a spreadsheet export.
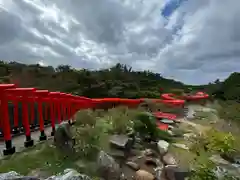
198	43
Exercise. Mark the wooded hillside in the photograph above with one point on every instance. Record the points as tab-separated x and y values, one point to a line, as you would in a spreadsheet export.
118	81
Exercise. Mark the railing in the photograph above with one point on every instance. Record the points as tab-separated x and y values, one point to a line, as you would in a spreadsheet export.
36	108
51	108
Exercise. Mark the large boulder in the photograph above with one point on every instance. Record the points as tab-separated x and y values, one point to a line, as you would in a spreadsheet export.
108	168
70	174
172	172
163	147
168	159
158	173
63	137
9	175
133	165
143	175
121	141
12	175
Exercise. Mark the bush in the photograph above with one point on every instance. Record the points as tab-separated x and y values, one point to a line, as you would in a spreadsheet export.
85	117
91	139
220	142
203	171
121	119
214	141
92	132
145	125
229	110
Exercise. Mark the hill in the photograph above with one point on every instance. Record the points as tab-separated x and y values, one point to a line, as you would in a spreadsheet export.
117	81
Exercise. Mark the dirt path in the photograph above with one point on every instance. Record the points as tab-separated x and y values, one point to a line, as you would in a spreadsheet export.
18	141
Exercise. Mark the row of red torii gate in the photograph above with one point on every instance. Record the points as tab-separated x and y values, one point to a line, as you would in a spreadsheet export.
56	107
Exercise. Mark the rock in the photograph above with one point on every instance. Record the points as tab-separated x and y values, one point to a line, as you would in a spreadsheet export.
133	165
218	160
167	121
172	172
151	161
190	114
26	178
117	153
143	175
163	147
182	146
233	157
122	177
38	173
159	164
149	152
9	175
12	175
187	136
63	138
70	174
168	159
170	133
224	166
220	172
108	168
121	141
213	122
80	164
158	173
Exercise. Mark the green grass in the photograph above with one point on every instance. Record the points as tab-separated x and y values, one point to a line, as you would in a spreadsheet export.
42	156
92	131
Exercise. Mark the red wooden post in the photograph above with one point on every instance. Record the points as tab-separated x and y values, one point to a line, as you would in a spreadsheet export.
65	101
53	101
41	95
25	95
15	129
63	106
46	108
70	100
32	114
10	149
53	116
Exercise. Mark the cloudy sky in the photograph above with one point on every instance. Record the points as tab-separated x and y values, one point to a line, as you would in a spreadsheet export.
195	41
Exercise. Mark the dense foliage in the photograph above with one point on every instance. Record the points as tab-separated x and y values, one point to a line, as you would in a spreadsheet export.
117	81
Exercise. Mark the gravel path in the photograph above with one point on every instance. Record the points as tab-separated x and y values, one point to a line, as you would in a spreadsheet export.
18	141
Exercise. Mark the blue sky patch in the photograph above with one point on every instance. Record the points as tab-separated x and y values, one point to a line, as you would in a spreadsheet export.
170	7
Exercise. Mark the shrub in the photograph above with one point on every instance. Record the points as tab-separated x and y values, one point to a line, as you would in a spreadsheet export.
220	142
85	117
145	124
121	119
229	110
91	139
92	132
203	171
214	141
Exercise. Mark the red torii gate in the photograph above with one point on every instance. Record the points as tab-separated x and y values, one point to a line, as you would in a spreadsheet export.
62	107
